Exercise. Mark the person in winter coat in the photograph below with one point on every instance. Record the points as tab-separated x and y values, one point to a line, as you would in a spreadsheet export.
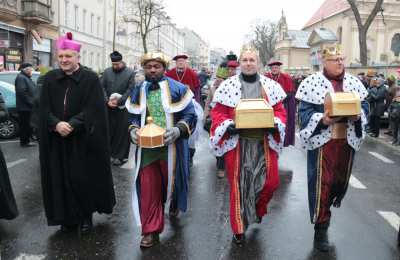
376	99
25	94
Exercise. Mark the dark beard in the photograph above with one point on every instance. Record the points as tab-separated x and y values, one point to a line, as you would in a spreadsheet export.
155	79
118	70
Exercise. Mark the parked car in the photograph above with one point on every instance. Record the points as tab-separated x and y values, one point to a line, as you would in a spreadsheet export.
10	127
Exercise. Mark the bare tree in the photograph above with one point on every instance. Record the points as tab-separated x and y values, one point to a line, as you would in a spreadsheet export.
363	27
143	14
264	38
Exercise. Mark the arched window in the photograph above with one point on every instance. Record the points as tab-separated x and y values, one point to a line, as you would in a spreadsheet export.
395	47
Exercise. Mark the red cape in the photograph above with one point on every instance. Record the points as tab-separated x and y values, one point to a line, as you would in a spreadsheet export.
222	116
189	78
284	80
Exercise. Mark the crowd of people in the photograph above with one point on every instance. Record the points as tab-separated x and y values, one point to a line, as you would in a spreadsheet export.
86	123
383	96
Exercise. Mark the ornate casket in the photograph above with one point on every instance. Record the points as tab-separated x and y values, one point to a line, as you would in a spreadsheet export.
151	135
254	113
343	104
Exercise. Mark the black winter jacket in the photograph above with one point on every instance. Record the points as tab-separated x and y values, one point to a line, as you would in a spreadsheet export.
24	92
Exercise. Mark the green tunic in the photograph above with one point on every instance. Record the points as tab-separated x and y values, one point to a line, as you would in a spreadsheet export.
156	111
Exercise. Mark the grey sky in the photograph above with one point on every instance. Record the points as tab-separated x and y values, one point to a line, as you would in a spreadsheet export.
224	23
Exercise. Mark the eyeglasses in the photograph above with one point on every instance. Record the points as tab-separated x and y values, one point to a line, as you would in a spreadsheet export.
337	60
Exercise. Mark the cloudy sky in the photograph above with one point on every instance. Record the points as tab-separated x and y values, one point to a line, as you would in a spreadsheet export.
224	23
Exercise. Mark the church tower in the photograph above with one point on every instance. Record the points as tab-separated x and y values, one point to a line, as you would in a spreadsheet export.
282	28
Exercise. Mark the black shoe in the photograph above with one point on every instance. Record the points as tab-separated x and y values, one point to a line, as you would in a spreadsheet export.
238	239
86	225
28	144
68	228
173	212
398	239
321	239
388	133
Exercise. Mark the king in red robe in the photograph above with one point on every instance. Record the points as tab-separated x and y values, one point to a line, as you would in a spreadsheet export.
289	103
251	155
185	75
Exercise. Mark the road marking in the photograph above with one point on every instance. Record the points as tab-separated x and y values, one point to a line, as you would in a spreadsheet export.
391	217
9	142
30	257
356	184
12	164
381	157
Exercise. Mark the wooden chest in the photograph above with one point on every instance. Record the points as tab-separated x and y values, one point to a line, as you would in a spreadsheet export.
151	135
343	104
254	113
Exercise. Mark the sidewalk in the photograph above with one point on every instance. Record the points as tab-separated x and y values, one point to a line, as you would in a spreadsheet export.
384	139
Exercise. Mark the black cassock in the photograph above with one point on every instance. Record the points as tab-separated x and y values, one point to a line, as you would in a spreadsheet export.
75	170
118	82
8	207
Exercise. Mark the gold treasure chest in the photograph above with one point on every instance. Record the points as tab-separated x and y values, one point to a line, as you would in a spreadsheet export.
151	135
254	113
343	104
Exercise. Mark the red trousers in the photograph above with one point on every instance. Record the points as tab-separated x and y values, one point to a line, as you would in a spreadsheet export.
153	189
336	170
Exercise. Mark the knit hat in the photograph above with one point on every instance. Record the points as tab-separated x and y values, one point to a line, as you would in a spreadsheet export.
24	66
115	56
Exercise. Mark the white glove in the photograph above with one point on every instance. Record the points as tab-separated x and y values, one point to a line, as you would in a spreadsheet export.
134	136
171	134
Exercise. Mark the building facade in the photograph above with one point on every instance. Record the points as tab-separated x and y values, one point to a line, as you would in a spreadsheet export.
86	20
383	34
196	48
165	37
217	55
27	32
336	17
292	48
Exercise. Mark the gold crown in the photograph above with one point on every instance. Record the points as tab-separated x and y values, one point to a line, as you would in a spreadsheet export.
157	56
248	49
331	51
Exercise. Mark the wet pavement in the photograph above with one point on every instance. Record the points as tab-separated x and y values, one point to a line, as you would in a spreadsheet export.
363	228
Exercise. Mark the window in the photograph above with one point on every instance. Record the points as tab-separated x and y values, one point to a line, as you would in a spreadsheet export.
76	22
395	45
84	54
98	60
91	23
109	30
84	21
66	14
91	59
339	34
98	26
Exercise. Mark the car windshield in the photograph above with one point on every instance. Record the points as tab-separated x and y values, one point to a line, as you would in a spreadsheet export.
10	77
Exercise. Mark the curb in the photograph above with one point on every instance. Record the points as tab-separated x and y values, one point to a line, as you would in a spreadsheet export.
385	143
